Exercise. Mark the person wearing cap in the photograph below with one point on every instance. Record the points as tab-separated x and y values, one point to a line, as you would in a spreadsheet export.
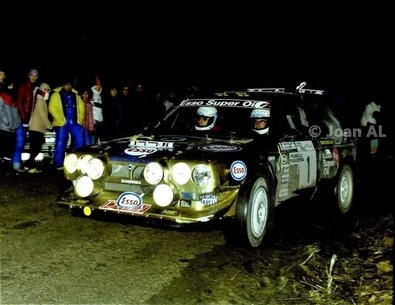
24	102
39	123
68	111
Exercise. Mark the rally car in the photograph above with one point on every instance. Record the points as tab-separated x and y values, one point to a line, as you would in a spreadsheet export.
233	155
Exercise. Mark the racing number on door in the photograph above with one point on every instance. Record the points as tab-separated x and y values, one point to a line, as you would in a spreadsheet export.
302	162
306	164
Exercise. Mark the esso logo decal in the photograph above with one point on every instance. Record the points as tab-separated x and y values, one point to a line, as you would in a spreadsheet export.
238	170
219	147
130	201
139	151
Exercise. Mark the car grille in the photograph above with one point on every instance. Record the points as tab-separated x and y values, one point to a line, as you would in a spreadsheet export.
130	171
121	187
119	170
125	178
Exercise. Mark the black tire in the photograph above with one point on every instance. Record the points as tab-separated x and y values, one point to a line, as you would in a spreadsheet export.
344	190
253	214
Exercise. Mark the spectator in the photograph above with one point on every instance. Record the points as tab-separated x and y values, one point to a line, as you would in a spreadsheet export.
88	123
370	140
9	122
97	109
24	102
39	123
125	102
157	111
113	114
67	110
5	86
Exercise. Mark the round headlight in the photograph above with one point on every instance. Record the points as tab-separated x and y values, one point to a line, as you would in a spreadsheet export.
95	168
163	195
83	186
153	173
82	164
201	174
181	173
70	163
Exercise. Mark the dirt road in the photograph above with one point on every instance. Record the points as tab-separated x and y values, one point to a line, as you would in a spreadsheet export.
51	257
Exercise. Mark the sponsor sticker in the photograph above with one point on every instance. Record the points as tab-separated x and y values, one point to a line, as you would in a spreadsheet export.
327	142
139	151
130	201
219	148
208	199
152	144
169	212
225	103
111	205
295	158
238	170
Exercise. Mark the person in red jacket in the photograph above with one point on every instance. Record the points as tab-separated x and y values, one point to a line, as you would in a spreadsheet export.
24	102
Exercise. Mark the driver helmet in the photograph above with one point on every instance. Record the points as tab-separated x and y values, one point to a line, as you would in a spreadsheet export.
206	118
260	120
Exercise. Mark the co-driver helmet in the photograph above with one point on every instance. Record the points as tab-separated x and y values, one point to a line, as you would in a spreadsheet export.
259	120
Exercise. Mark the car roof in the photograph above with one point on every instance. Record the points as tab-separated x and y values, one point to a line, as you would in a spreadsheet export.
265	94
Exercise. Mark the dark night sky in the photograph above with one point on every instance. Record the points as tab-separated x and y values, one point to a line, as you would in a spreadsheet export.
328	47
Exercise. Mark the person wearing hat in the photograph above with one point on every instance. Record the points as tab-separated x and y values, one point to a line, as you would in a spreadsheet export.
24	102
68	111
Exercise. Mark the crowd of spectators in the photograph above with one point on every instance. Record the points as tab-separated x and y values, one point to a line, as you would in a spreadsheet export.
79	112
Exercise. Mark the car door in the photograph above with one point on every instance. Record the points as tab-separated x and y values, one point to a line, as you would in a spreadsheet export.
297	162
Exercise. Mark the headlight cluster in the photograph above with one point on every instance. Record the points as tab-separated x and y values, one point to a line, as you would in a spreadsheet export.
181	173
94	168
83	171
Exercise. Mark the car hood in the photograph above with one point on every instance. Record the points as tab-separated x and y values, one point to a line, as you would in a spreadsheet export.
143	148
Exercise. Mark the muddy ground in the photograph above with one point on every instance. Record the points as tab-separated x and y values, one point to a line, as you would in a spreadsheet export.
51	257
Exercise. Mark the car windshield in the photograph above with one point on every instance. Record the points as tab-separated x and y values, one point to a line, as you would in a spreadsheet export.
221	121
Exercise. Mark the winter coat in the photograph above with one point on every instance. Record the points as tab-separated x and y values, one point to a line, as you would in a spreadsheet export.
9	116
55	108
39	119
25	100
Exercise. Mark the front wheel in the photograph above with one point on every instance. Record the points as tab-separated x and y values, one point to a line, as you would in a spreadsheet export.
253	213
344	190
